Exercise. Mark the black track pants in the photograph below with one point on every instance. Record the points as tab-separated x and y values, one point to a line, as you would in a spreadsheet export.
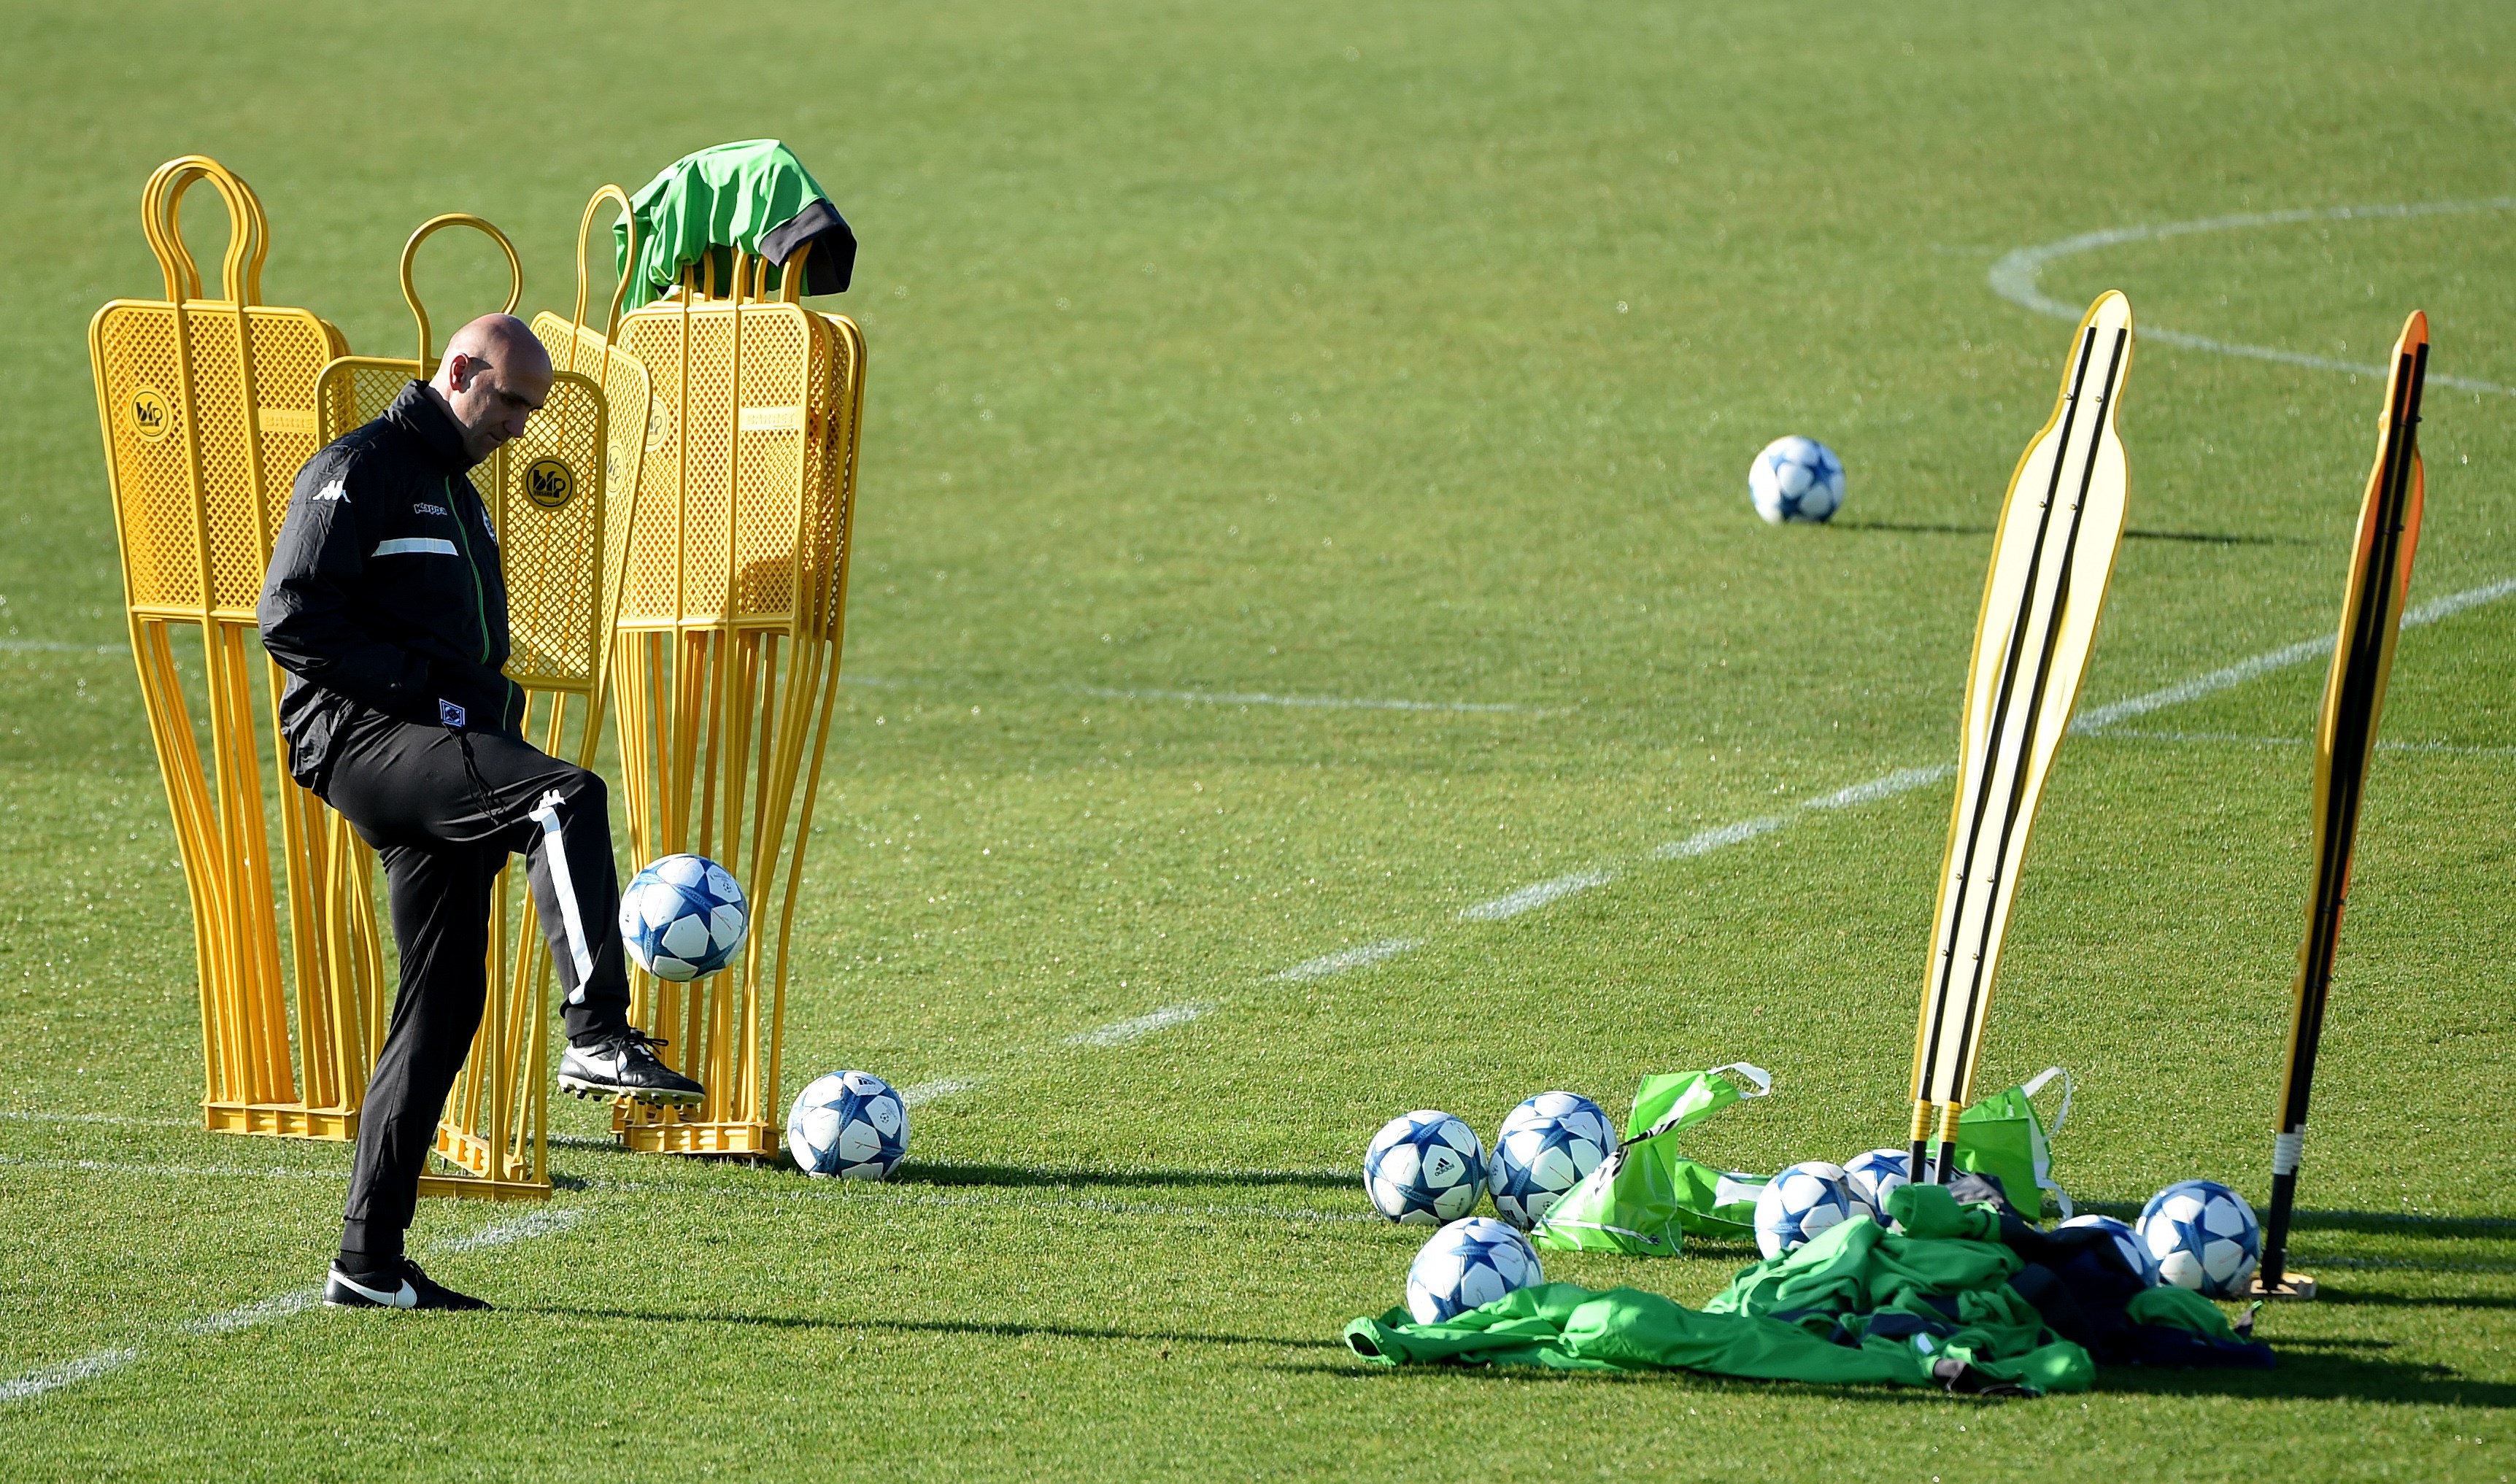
443	810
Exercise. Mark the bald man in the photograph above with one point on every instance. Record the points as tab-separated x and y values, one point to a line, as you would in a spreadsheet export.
387	606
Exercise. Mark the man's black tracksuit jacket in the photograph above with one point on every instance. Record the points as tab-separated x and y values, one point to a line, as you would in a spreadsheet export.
385	604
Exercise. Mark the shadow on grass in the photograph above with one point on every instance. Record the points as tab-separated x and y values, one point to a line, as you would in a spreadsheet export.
2321	1374
2385	1223
2198	538
989	1329
920	1172
1690	1380
2344	1298
2214	538
2305	1373
1911	527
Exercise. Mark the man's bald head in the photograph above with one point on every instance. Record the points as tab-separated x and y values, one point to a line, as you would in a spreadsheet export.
495	375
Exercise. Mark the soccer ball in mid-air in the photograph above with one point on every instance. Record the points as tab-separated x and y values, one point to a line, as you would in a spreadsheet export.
1424	1168
1795	478
1800	1204
683	917
2127	1243
849	1125
2203	1236
1873	1176
1467	1265
1545	1147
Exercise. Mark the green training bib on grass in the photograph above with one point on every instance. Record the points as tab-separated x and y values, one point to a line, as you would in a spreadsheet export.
2003	1136
1645	1196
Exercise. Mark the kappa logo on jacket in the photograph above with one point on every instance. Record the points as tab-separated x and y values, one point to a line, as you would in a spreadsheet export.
424	508
332	491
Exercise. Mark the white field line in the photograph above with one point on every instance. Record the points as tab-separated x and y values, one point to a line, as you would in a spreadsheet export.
1223	697
1344	959
942	1086
2240	739
70	1372
1902	780
56	646
211	1172
549	1221
1705	842
998	1198
2305	649
2013	276
1265	698
1530	897
1121	1032
1101	692
245	1316
34	1116
2089	722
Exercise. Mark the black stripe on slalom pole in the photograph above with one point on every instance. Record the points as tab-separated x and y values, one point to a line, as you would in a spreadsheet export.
1942	971
2353	737
1972	1023
1997	735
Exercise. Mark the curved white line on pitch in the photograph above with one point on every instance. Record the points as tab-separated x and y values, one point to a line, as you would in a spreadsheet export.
2013	276
540	1223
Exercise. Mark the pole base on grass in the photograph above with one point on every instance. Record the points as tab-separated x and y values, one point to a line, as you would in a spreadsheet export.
2291	1286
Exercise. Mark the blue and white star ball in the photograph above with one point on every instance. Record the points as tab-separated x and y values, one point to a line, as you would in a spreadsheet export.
1795	478
1468	1264
1800	1204
848	1125
2203	1236
1424	1169
1545	1147
683	917
1873	1176
2128	1245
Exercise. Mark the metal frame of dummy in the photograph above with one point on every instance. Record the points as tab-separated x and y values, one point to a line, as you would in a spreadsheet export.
208	408
559	539
731	618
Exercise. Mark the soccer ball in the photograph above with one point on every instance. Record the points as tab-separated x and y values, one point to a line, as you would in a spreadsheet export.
1795	478
1545	1147
2203	1236
2126	1242
683	917
1874	1176
1468	1264
1800	1204
848	1124
1424	1168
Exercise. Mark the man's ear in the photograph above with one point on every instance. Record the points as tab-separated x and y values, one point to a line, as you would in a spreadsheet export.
459	371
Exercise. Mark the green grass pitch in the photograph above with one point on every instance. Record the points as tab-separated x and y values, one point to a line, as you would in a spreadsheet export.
1396	353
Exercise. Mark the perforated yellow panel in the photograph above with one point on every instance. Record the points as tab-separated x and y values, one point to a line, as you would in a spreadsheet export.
356	390
628	405
208	407
549	511
731	478
835	457
171	384
728	659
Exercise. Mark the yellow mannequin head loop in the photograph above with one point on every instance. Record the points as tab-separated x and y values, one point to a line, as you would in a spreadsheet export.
410	290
